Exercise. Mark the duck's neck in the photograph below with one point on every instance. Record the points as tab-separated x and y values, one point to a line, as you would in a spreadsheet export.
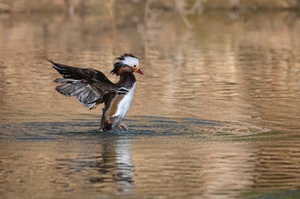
126	80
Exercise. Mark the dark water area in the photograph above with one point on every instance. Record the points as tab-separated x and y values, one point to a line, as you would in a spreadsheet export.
216	114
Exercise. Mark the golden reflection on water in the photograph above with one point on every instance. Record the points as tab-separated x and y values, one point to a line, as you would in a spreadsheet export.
216	70
239	73
92	165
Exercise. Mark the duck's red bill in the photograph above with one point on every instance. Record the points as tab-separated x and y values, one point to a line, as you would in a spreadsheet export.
139	71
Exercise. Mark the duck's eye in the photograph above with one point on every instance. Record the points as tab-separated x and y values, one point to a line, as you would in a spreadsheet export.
134	66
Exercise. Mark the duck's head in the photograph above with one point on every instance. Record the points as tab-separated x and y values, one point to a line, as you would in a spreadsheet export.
126	63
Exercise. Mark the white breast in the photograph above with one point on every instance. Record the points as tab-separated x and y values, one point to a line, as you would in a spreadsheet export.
124	104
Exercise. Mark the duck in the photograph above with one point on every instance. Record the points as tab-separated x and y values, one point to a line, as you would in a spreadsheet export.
91	88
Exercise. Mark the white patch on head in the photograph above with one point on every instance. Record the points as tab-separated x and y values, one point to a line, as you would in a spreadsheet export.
130	61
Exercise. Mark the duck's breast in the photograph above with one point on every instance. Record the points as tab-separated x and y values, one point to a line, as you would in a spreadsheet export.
120	104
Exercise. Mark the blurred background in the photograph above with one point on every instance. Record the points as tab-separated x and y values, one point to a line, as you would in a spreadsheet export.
94	6
215	115
221	60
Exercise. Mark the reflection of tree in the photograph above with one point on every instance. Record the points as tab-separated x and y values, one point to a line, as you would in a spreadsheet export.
180	5
197	7
203	168
277	165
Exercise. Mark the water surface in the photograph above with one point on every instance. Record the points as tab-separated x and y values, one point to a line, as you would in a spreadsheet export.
216	115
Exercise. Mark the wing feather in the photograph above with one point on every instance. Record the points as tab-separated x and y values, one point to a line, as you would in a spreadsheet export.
91	87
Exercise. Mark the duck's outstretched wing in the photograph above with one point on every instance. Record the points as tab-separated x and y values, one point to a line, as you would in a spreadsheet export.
91	87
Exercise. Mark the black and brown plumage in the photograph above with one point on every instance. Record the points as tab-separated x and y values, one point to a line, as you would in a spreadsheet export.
91	88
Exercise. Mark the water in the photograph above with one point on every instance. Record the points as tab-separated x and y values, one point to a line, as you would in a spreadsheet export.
216	115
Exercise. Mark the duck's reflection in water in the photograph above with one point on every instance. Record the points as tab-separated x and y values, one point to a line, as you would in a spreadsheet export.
106	167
